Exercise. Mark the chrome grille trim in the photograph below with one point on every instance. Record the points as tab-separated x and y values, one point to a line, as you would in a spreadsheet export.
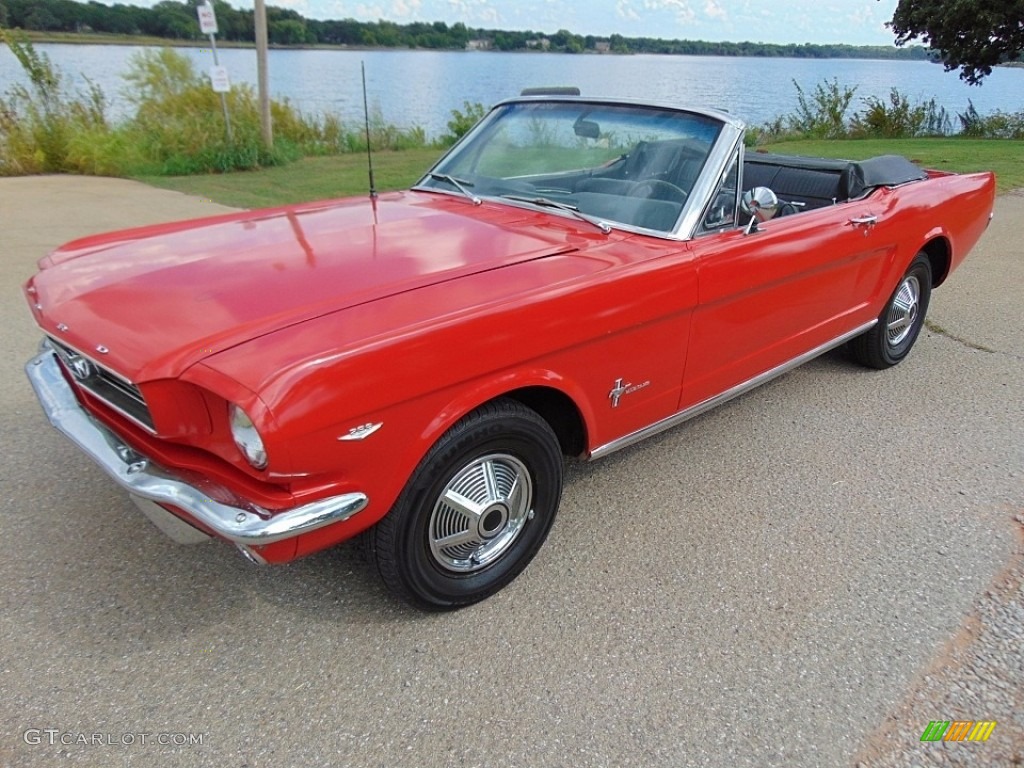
113	389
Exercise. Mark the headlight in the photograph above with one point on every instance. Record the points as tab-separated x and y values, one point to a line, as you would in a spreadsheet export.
247	438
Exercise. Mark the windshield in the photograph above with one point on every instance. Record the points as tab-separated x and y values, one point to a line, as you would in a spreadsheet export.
620	164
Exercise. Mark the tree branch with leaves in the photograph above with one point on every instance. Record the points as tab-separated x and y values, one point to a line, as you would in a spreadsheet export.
970	35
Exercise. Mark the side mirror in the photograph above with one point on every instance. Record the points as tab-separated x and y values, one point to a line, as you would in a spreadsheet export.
760	204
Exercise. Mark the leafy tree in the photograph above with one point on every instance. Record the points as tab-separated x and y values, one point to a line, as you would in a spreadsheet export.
3	15
287	32
972	35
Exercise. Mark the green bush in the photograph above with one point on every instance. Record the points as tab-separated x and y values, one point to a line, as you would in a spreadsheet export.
179	122
822	114
177	126
38	122
461	121
999	125
899	118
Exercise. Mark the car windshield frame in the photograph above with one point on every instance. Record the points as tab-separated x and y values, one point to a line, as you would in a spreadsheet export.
618	164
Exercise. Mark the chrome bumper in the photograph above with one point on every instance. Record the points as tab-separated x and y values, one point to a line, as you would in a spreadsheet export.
247	525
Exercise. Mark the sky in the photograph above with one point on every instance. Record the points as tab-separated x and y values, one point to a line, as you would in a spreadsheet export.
855	22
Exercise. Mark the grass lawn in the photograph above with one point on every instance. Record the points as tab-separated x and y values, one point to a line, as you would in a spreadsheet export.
1003	156
317	178
312	178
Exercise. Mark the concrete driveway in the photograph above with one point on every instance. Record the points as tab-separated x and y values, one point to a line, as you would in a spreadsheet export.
759	587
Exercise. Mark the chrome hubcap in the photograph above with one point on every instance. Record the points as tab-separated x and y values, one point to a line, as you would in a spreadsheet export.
903	311
480	513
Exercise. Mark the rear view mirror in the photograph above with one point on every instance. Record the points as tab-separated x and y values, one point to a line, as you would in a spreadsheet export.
587	129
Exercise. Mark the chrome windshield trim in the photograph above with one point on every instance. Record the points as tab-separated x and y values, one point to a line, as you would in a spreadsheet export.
245	523
723	397
714	167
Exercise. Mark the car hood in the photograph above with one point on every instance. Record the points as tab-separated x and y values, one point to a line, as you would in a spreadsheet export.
158	299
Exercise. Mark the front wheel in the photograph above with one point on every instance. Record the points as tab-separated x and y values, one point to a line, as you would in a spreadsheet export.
475	511
892	337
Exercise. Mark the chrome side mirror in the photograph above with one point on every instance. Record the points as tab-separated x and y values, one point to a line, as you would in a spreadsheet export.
760	204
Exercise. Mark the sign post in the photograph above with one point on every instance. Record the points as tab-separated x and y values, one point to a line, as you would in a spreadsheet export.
218	74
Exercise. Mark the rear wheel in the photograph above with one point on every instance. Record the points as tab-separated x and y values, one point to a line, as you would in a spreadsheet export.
475	511
892	337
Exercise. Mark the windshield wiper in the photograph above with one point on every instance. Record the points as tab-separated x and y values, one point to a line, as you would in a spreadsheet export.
547	202
459	184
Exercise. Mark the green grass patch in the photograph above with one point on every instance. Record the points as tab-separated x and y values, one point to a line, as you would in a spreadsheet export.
311	178
315	178
1004	156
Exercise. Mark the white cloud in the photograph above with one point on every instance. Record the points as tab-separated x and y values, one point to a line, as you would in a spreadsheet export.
475	12
624	10
681	9
715	11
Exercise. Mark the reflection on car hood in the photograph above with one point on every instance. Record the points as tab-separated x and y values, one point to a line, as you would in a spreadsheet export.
161	298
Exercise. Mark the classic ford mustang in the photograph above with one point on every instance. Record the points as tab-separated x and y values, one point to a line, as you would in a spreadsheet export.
573	276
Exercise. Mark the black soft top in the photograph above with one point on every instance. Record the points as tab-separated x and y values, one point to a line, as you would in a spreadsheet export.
855	178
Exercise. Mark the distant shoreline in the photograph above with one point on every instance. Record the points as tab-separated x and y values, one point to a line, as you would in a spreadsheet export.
99	38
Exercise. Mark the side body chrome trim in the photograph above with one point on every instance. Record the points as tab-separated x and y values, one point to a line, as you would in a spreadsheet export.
729	394
245	524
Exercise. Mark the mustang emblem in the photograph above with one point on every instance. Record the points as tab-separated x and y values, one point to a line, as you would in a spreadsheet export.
621	389
81	368
362	432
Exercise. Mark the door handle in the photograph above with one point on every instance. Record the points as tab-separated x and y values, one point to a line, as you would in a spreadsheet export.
865	222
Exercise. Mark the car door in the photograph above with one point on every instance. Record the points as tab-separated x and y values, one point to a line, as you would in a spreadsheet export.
769	296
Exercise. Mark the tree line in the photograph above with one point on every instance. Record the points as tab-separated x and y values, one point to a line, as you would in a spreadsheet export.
177	21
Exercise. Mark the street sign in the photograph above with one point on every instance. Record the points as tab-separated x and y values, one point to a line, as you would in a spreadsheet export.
207	19
219	79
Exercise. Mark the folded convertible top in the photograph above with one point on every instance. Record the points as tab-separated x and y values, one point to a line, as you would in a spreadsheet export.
852	178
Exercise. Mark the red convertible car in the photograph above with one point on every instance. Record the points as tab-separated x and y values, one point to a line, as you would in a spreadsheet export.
573	276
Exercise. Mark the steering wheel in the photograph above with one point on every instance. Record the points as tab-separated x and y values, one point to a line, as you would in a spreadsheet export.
658	189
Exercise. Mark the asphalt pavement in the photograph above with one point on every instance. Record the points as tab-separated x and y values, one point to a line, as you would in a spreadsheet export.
775	583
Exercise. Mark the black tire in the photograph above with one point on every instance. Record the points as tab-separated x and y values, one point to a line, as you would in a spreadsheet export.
489	487
893	336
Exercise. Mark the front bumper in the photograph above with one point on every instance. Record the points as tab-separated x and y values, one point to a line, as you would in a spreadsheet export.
247	525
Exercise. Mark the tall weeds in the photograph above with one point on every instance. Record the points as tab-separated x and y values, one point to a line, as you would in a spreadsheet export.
821	114
176	127
40	122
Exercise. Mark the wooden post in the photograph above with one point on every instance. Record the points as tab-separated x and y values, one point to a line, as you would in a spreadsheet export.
266	128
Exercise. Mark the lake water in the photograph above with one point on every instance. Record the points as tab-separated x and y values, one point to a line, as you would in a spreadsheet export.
421	88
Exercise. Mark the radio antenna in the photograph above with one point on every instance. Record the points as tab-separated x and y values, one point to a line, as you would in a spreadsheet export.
366	119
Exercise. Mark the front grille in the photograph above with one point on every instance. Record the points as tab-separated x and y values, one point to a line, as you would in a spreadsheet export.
114	390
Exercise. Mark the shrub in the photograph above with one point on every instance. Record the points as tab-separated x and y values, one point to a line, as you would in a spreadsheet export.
899	118
822	114
178	124
462	121
999	125
38	122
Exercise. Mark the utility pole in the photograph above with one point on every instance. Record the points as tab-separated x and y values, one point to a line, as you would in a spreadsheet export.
266	128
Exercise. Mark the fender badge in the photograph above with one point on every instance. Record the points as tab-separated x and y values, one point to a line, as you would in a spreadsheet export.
622	388
101	349
362	432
